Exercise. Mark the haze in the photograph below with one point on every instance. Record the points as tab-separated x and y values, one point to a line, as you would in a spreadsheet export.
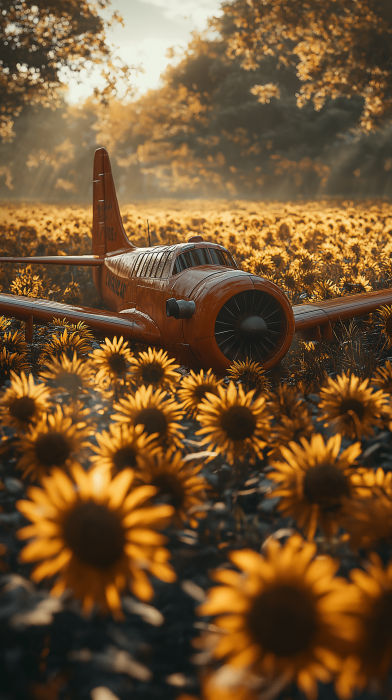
150	29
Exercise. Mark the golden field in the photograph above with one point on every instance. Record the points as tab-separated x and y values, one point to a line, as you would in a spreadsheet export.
312	250
185	536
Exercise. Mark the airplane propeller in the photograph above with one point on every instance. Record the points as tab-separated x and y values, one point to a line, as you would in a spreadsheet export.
250	324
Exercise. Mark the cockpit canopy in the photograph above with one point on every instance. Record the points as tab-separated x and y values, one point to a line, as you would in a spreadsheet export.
203	256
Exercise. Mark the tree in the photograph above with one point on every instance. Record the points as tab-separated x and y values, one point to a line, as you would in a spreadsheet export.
38	39
202	133
338	48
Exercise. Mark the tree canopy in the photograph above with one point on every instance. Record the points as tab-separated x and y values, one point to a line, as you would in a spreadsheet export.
339	48
205	132
202	133
38	39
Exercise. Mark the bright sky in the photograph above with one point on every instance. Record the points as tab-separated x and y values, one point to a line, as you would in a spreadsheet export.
150	28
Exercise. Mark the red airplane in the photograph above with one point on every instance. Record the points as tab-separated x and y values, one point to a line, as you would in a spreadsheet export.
190	298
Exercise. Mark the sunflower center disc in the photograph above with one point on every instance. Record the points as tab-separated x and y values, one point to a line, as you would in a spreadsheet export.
52	449
238	422
124	457
325	485
22	408
117	363
379	626
283	620
252	328
94	534
352	405
153	419
69	381
169	490
152	374
201	390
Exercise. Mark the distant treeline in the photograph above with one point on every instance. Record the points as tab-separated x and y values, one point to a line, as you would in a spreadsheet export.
203	133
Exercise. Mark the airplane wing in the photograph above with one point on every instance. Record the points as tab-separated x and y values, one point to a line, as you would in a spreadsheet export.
313	321
89	260
130	323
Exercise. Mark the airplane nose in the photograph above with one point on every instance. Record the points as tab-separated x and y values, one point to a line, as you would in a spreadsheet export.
252	328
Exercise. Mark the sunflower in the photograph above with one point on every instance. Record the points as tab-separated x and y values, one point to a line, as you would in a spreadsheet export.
279	257
329	252
368	517
111	362
345	285
250	374
369	266
350	406
385	321
382	377
314	482
307	280
53	441
234	424
361	285
325	289
386	254
285	401
14	342
285	616
81	328
4	323
258	264
373	646
70	376
177	482
12	362
159	415
289	430
66	344
289	281
235	687
94	535
72	294
80	415
27	284
24	402
306	262
194	388
121	447
153	367
354	246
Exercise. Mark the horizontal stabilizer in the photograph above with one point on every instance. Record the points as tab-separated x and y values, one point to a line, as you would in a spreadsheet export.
57	260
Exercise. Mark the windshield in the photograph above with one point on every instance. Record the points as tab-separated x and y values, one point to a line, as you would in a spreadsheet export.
203	256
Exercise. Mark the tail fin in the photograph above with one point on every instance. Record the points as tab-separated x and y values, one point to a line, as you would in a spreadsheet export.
108	230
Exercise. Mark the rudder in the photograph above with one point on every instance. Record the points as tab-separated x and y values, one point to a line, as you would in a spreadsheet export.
108	231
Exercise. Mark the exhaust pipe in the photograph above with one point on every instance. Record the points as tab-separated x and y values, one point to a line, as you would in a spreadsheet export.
180	308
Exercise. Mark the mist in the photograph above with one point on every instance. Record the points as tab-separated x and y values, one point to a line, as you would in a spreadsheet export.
202	134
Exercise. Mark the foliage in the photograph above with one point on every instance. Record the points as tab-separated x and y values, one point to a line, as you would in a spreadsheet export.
338	48
38	41
202	133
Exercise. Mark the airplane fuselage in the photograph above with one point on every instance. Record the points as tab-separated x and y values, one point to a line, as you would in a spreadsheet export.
144	279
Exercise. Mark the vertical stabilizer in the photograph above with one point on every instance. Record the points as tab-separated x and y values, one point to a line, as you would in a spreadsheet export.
108	230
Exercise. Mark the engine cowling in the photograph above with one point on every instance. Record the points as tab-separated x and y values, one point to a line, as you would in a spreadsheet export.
242	316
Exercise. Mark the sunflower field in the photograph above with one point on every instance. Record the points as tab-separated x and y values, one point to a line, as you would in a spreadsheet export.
173	534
